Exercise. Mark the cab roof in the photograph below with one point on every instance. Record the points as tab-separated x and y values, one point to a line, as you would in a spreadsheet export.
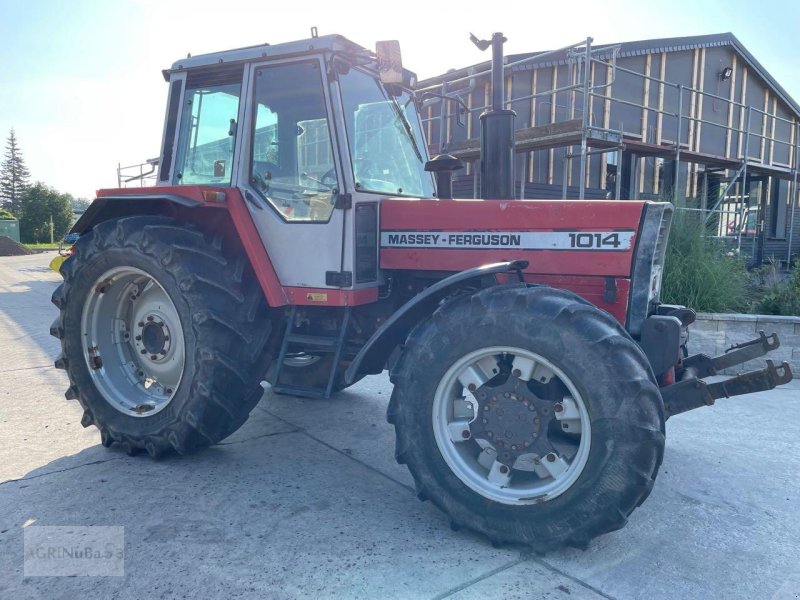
314	45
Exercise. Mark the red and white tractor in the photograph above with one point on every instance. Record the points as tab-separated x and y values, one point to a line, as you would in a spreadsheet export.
295	236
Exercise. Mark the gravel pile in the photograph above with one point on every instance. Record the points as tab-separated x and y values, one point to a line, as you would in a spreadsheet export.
9	247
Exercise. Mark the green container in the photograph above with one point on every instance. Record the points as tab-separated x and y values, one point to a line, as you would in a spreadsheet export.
10	229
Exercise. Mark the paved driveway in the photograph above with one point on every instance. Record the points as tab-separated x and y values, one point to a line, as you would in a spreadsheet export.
307	501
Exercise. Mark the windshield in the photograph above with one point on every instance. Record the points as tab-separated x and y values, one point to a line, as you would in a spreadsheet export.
385	138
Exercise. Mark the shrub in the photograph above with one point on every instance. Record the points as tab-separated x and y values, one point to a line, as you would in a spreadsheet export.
699	273
6	215
780	296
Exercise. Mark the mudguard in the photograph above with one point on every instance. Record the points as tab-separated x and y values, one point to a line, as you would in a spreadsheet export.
373	355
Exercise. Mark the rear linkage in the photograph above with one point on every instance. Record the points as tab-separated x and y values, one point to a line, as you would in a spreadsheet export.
692	392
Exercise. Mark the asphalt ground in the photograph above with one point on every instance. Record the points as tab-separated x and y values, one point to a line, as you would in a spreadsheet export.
306	500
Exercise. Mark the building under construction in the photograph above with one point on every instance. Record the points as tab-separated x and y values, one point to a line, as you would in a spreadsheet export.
696	120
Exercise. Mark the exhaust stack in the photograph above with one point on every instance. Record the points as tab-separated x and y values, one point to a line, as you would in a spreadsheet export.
497	131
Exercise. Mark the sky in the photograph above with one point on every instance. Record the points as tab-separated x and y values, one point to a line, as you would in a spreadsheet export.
81	83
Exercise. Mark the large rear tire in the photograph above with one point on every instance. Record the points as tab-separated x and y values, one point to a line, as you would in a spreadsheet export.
528	415
164	335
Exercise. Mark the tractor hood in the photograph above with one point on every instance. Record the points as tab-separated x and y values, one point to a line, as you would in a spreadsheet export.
599	249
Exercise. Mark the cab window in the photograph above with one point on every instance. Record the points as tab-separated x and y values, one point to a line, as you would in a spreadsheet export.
208	135
292	163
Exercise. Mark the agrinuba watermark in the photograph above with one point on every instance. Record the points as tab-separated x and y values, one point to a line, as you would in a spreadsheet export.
63	551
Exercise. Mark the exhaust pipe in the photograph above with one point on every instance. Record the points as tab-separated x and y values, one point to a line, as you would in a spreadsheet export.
497	131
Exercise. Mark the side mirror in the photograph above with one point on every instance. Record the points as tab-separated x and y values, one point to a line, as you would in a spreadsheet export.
442	167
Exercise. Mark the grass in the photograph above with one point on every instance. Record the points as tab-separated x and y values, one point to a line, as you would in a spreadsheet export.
42	247
780	295
699	273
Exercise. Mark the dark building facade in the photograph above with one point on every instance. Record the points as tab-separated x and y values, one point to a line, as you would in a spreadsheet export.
639	109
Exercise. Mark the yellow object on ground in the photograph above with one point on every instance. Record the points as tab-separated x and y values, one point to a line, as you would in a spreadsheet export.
55	264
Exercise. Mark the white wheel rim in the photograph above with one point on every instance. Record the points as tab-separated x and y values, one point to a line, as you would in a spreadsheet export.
133	341
530	479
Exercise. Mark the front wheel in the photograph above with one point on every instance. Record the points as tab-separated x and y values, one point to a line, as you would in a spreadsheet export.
528	415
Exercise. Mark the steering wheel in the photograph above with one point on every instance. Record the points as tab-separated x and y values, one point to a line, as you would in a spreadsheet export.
329	175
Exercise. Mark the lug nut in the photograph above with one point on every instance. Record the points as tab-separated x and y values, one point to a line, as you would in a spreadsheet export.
558	407
153	357
516	372
144	351
465	434
503	469
138	338
141	324
471	387
551	457
163	353
150	317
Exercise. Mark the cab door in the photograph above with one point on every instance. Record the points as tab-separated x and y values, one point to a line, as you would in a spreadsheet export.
289	171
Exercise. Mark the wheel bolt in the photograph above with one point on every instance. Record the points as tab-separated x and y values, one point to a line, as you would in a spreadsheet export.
551	457
141	324
144	351
169	390
465	434
163	353
166	338
558	407
471	387
150	318
153	357
503	469
138	338
516	372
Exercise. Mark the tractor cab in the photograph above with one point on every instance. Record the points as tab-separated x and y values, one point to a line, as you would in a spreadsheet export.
305	130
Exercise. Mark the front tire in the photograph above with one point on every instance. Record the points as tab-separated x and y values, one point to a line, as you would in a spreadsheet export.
164	336
528	415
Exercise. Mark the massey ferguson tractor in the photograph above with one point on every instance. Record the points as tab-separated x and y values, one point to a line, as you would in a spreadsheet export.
296	236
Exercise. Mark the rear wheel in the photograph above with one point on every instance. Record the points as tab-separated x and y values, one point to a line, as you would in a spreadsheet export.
528	415
165	337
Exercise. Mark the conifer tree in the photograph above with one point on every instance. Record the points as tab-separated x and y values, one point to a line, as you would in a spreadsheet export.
14	176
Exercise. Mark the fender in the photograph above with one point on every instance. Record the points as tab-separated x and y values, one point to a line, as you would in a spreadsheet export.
215	210
373	355
113	206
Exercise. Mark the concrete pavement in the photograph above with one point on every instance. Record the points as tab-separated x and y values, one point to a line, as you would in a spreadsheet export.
306	499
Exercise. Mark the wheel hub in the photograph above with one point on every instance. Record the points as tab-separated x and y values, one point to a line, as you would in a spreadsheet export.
153	337
513	420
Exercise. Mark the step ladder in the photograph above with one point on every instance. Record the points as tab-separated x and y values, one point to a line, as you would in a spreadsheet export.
318	343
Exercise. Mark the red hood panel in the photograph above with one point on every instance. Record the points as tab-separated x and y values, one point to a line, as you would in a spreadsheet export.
556	237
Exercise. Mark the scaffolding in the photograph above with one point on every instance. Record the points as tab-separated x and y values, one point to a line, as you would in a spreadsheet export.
585	138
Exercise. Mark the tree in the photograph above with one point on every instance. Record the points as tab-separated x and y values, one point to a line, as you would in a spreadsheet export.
38	205
80	205
14	176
